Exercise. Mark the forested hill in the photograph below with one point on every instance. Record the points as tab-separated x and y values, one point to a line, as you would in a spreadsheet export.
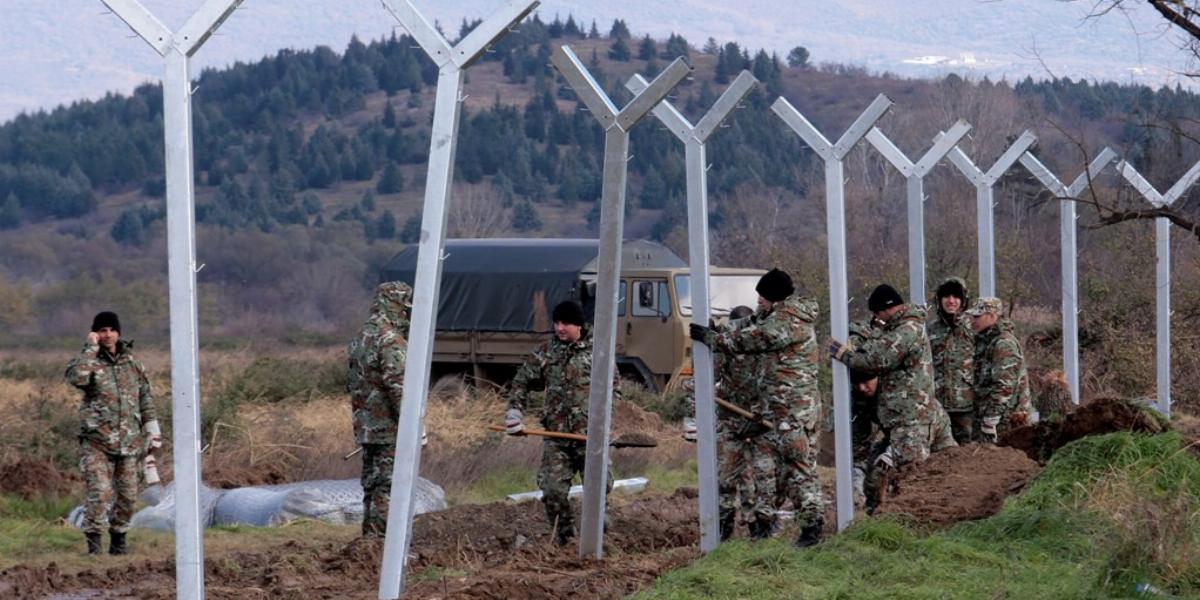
306	141
272	137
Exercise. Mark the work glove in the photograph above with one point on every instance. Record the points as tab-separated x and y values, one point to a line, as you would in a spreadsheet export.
784	426
838	350
885	460
988	428
1018	419
150	469
512	422
153	436
689	430
701	333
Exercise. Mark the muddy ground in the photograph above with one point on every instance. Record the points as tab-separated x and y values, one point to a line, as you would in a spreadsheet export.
504	550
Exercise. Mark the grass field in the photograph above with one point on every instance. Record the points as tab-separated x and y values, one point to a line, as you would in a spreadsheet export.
1107	514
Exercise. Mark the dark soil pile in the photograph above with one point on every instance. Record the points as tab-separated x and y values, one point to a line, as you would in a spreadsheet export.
31	478
959	484
1103	415
473	551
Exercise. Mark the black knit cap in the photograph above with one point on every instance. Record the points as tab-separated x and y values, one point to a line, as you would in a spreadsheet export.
106	319
883	298
569	312
775	285
951	288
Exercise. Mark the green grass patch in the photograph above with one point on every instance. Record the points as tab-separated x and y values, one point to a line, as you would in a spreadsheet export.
496	486
1107	513
30	528
667	479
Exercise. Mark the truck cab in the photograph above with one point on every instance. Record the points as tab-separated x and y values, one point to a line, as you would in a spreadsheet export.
496	297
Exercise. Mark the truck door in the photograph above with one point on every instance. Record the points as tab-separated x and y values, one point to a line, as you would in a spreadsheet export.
650	333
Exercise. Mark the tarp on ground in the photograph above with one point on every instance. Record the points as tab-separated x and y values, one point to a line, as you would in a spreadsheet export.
511	285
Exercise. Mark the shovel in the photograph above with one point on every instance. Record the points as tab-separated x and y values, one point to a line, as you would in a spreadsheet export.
627	440
743	412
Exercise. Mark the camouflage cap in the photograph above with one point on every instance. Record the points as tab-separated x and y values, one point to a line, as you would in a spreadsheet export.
987	304
394	295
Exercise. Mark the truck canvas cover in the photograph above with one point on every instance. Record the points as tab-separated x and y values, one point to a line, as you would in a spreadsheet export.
505	284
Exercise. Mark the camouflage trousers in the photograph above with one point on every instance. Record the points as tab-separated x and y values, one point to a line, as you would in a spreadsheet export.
941	432
377	487
104	474
794	453
962	425
560	462
745	478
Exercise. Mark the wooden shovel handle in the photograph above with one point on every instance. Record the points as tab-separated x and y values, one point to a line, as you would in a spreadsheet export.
542	432
743	412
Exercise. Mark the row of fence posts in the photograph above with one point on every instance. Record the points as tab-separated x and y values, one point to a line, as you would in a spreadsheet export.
178	47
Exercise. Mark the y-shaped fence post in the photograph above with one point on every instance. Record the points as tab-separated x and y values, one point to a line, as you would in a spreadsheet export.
608	272
1070	252
839	318
914	175
452	63
177	48
694	139
984	203
1162	271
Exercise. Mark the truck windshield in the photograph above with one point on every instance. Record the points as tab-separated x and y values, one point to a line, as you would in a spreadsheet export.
726	291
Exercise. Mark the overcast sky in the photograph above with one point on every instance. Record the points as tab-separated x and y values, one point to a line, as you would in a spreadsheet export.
56	51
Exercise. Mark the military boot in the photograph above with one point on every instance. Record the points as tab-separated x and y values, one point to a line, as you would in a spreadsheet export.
93	542
811	534
117	545
728	523
761	529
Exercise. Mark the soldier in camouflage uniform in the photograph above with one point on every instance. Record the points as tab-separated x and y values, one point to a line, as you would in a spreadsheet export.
898	353
783	342
118	425
953	344
745	470
1002	397
376	384
564	367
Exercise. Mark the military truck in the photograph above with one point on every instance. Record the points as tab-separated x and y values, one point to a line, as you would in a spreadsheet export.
497	295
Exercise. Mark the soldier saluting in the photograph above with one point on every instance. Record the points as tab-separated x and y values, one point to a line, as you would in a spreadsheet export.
118	425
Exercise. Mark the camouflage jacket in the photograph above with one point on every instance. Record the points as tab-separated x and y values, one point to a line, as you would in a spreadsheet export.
898	352
375	378
783	342
1001	383
736	382
564	370
952	341
117	400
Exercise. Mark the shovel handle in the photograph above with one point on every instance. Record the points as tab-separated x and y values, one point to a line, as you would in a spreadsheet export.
743	412
578	437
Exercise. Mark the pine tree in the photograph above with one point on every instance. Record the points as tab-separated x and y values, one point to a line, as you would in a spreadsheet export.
525	217
593	32
128	229
368	201
389	115
10	212
619	51
619	30
646	49
798	57
385	227
392	181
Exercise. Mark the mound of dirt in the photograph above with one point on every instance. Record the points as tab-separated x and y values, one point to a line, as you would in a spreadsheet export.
29	478
499	550
629	417
959	484
1103	415
229	476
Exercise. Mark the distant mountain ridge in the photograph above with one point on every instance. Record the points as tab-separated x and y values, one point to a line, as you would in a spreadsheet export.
56	52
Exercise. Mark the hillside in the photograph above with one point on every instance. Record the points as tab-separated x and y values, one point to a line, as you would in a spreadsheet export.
310	167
